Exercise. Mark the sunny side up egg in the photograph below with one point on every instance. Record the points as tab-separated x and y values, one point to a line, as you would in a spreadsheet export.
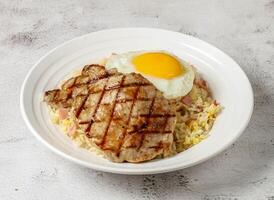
169	74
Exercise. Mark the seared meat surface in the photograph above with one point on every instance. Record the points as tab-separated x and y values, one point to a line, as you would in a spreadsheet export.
123	114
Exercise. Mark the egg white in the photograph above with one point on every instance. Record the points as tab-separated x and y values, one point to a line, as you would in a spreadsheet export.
171	88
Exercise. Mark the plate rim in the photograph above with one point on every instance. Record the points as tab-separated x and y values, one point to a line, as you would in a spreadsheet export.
132	171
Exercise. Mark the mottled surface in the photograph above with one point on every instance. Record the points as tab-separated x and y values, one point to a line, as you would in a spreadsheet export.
242	28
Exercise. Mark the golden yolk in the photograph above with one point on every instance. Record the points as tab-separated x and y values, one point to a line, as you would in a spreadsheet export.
158	64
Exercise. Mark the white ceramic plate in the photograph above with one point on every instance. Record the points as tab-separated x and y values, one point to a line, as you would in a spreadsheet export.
228	82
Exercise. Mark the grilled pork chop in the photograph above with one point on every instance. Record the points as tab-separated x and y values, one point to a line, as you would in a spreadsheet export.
123	114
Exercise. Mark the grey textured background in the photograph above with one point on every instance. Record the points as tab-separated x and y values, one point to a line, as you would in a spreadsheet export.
242	28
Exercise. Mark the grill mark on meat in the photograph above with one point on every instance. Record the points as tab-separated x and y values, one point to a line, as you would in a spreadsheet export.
78	112
97	79
84	122
128	85
55	93
158	147
112	111
151	105
147	119
157	115
110	88
87	131
144	99
128	120
70	90
96	109
69	94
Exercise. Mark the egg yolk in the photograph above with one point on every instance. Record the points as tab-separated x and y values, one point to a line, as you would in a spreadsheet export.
158	64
